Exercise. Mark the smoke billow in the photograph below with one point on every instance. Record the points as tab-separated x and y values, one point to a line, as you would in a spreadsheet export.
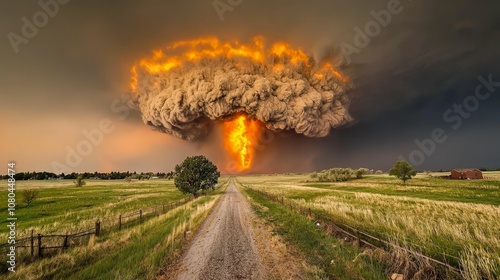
183	89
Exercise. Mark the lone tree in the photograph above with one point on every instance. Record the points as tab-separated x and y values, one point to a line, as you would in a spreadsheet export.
79	181
29	196
402	170
194	174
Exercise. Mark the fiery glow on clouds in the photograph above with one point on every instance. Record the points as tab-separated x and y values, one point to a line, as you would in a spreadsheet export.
212	48
188	86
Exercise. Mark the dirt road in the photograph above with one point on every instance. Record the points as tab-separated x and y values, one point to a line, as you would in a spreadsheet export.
224	247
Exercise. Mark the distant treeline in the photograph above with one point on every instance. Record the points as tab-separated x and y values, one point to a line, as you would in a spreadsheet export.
89	175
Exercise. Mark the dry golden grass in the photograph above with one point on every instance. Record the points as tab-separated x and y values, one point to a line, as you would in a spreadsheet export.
435	225
75	259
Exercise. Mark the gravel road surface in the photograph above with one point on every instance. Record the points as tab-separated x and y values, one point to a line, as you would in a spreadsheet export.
224	247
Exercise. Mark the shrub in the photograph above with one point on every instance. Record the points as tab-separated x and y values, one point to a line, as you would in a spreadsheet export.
29	196
340	174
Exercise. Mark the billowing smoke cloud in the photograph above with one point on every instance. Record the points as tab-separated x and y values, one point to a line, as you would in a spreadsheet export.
185	88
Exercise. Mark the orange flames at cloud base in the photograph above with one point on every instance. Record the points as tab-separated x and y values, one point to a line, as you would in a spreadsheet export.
240	136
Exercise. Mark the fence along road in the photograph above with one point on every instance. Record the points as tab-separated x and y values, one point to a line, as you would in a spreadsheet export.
224	247
40	245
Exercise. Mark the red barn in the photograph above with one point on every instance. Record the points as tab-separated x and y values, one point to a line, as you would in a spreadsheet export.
473	173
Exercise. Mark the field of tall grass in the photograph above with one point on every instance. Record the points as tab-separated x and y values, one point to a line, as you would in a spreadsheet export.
454	221
141	250
62	207
326	256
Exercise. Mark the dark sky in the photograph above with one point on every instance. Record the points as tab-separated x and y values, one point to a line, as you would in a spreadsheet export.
70	74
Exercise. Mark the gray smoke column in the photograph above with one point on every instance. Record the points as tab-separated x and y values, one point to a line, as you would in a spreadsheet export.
182	89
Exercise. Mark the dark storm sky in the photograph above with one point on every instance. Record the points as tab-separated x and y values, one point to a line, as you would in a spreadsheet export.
70	75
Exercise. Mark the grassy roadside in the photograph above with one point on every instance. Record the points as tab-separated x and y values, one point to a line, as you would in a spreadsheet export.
333	259
139	252
428	215
61	207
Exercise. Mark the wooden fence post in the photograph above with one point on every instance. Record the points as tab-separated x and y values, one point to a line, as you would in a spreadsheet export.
282	200
97	228
65	243
358	241
140	215
163	208
40	254
32	245
120	221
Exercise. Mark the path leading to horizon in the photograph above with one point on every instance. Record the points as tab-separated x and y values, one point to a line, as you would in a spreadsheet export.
224	247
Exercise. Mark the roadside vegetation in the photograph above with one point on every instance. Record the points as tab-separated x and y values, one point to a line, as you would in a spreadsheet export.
450	220
196	174
143	249
61	207
328	257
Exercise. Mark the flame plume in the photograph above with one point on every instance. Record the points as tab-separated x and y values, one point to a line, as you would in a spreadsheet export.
240	137
186	87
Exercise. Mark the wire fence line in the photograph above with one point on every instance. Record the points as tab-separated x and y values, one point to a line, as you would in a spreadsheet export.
361	237
40	245
36	246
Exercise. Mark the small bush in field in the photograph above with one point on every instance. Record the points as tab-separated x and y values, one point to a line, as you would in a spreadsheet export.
29	196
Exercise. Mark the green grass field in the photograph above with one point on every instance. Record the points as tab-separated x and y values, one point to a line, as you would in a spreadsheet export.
63	207
329	257
143	249
439	217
